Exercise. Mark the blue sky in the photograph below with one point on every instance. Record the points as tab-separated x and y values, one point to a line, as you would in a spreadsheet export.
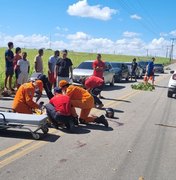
135	27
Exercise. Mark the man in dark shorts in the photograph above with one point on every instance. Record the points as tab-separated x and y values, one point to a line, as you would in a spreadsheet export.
9	70
63	68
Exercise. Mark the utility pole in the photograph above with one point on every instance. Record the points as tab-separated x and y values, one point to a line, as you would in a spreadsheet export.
172	47
167	51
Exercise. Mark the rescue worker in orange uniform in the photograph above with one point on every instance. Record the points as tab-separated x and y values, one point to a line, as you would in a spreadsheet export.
82	99
23	101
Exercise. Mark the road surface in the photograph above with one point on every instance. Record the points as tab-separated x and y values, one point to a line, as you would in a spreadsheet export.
140	142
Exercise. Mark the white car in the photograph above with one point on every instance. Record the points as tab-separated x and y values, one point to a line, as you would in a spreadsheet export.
172	84
85	69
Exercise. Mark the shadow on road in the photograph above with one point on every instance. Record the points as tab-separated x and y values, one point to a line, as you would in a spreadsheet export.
165	125
116	122
161	86
77	130
112	88
111	99
96	127
27	135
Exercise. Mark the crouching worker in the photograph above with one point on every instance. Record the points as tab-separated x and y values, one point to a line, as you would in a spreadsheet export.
82	99
23	101
94	85
59	110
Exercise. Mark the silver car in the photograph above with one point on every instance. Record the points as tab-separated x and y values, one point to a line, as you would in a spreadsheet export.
85	69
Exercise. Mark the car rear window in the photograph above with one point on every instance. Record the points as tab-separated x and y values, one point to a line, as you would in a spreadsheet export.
85	65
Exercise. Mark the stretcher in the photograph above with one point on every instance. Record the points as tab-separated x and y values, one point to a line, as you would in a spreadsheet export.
24	121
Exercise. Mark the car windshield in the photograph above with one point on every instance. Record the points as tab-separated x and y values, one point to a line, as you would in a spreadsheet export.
116	65
85	65
158	65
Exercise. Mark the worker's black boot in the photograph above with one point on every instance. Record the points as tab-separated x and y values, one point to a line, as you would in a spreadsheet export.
82	121
102	120
75	121
70	126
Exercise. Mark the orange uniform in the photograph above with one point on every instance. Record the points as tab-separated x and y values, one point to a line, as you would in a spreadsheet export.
23	101
82	99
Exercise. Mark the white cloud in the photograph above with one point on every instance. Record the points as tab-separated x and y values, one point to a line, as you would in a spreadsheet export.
173	33
83	9
61	28
33	41
135	16
79	36
130	34
83	42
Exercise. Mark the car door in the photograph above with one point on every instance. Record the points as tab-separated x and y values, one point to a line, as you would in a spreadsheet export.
108	74
123	70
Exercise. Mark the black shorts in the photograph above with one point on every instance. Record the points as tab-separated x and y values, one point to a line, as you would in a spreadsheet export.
9	71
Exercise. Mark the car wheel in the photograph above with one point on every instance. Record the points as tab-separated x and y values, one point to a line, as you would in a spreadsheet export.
127	78
112	82
119	78
169	94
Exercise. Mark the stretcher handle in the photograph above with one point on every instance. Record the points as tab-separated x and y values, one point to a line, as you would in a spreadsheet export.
4	119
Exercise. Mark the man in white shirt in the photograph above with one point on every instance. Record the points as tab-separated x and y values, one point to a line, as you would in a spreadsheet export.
23	67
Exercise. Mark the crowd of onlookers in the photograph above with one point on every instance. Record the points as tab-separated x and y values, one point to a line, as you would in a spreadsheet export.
17	63
66	97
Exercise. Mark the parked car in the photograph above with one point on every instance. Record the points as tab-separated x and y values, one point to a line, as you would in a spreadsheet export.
143	65
139	70
85	69
172	84
158	68
121	71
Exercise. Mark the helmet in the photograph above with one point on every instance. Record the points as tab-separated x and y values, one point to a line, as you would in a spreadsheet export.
109	112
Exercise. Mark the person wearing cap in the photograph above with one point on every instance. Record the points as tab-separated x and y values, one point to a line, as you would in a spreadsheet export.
98	68
23	101
94	85
63	68
82	99
51	66
59	110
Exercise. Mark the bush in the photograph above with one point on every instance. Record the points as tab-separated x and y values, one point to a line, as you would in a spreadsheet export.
143	86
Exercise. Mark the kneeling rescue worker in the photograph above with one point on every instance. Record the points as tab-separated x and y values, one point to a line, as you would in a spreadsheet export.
23	101
59	110
82	99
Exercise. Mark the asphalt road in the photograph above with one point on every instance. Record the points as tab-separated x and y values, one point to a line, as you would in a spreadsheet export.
140	142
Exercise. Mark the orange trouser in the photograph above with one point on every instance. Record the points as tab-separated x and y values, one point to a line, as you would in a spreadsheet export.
23	108
85	105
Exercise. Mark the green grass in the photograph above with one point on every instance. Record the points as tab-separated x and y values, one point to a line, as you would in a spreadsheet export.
76	57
